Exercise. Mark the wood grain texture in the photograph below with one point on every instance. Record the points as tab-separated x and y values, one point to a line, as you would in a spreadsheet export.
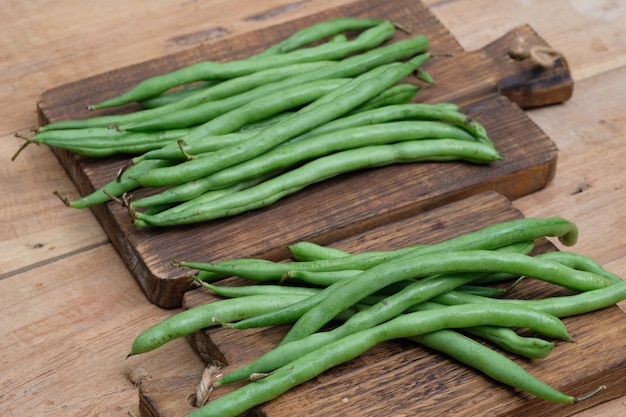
399	378
318	213
48	43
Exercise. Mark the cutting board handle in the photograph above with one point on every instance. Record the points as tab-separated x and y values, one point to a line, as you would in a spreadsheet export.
501	68
533	74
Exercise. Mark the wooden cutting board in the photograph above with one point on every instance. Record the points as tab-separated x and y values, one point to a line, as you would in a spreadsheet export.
399	378
477	80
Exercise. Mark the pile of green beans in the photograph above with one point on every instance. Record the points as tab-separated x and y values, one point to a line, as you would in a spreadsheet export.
217	139
441	295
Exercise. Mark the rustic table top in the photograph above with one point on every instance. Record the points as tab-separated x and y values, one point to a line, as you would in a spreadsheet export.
70	308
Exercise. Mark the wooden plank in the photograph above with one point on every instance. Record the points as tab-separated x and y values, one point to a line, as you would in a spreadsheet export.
400	378
368	198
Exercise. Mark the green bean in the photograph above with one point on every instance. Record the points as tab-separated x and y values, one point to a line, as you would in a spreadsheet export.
410	111
529	347
390	307
115	188
311	34
206	198
301	38
217	99
386	98
580	262
396	95
507	339
94	145
214	118
297	151
408	267
207	70
309	251
331	354
489	237
349	67
287	352
320	169
504	337
324	278
204	111
344	99
492	364
415	292
482	291
411	293
170	97
207	315
288	314
559	306
248	290
317	32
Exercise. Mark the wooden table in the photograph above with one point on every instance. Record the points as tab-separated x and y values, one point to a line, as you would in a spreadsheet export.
69	307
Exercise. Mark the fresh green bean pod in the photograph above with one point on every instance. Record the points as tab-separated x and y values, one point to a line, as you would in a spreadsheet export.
331	354
237	291
396	95
504	337
216	99
169	97
120	143
303	37
489	237
407	267
297	151
414	292
482	291
320	169
343	99
285	353
192	116
559	306
207	315
409	111
309	251
317	32
580	262
208	70
117	187
349	67
386	98
324	278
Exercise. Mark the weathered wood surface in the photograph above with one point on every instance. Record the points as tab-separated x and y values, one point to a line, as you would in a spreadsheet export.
349	203
399	378
55	263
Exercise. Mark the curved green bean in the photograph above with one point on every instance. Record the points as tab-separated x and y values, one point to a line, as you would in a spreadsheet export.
292	153
328	355
344	99
559	306
320	169
317	32
580	262
115	188
489	237
408	267
350	67
208	70
207	315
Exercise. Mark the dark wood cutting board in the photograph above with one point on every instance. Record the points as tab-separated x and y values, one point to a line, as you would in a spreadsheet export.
350	203
399	378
